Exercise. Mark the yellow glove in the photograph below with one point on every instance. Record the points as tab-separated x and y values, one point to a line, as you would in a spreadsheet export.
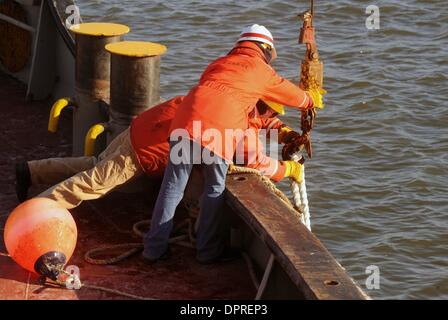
293	170
317	96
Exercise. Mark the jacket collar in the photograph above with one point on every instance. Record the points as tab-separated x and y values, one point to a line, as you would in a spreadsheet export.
248	48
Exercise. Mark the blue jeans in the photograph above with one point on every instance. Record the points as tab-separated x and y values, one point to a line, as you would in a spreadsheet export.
209	242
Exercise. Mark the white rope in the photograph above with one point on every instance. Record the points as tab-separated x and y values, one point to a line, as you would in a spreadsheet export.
300	196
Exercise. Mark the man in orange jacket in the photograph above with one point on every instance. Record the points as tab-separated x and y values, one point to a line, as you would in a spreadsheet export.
141	149
226	94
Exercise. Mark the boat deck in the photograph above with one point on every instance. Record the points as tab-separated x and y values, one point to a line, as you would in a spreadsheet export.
101	222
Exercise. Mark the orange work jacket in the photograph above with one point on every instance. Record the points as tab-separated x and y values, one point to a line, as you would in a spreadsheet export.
228	91
150	132
149	136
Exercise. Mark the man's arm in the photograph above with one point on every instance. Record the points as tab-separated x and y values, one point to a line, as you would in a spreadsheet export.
256	158
285	133
284	91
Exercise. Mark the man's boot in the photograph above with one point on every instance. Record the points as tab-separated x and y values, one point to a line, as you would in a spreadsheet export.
23	180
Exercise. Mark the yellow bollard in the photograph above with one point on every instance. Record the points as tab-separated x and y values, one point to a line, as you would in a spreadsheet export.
92	77
134	81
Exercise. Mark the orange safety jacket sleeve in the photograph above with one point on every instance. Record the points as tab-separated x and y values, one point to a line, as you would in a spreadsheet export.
283	91
274	124
271	124
254	154
256	158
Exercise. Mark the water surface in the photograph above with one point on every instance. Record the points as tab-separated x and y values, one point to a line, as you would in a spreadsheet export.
377	183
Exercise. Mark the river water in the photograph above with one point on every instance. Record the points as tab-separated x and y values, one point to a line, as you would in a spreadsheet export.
377	181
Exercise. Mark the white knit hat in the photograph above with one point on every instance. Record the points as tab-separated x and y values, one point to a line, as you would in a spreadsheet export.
256	32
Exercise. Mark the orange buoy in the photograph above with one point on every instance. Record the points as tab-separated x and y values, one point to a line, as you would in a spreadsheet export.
40	236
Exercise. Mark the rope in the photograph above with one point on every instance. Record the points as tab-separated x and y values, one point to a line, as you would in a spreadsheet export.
300	196
186	239
117	292
266	181
74	279
305	205
133	248
137	247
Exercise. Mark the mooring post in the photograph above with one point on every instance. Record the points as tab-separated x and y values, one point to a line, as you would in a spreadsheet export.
134	81
92	78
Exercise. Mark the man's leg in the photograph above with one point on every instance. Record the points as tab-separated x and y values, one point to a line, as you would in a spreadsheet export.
48	172
113	170
54	170
210	237
171	192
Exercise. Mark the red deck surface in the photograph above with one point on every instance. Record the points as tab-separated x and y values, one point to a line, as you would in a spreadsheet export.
23	136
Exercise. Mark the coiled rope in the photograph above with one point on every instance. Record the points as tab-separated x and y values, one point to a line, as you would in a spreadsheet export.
187	240
133	248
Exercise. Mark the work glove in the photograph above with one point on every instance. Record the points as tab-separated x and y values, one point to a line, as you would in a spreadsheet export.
291	148
316	98
287	135
294	170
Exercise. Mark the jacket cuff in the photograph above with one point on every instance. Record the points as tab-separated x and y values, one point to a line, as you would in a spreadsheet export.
280	173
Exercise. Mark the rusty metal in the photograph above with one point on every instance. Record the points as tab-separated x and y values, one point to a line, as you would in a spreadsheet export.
311	76
310	64
312	271
135	87
135	83
92	85
302	141
93	65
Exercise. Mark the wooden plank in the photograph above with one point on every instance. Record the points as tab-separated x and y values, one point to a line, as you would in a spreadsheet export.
303	257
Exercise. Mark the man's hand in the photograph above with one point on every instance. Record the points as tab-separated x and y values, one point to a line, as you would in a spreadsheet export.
287	135
294	170
292	148
316	97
